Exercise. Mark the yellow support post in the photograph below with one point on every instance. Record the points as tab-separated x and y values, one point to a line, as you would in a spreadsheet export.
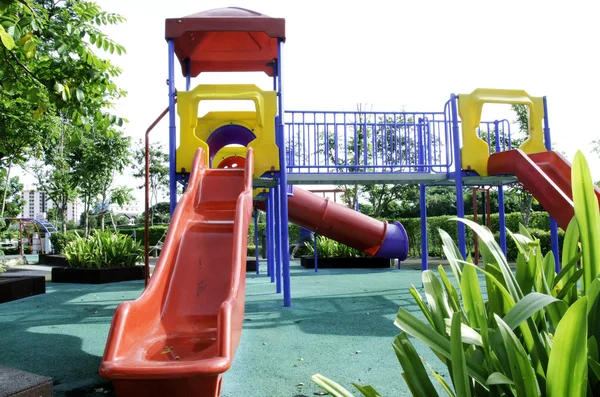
475	151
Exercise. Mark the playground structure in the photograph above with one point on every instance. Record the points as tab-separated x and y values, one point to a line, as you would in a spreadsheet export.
181	334
39	239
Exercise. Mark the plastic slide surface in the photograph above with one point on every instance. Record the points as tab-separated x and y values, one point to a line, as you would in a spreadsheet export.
181	334
377	238
546	175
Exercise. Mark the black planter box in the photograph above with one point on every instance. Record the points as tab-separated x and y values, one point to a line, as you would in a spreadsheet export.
17	287
308	262
96	276
54	260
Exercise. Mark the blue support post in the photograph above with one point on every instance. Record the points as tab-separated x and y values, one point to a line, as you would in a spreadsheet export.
424	244
278	245
553	224
271	234
315	253
501	213
287	295
172	138
188	76
460	205
256	247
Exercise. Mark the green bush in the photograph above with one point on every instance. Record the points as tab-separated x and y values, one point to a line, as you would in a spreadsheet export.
328	248
103	249
60	240
156	233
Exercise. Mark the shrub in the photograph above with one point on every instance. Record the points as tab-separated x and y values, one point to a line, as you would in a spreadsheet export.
536	335
328	248
103	249
60	240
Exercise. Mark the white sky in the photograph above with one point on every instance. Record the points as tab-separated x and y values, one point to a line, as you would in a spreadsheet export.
391	54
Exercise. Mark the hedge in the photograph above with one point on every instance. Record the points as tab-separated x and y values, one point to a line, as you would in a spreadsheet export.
539	225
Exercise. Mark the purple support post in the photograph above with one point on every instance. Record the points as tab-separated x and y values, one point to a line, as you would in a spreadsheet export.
287	295
256	247
553	224
460	205
315	253
424	243
501	213
278	246
188	76
270	235
172	137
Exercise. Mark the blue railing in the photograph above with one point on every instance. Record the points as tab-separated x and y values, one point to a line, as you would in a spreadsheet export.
378	142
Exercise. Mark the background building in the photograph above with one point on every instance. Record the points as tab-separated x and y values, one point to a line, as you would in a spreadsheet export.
37	204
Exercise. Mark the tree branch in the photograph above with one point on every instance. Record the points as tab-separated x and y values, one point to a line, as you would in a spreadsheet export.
26	69
8	62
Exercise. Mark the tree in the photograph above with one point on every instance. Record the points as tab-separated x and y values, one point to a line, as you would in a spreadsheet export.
161	212
12	188
159	171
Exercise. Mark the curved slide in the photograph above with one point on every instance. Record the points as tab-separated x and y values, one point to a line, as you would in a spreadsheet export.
356	230
546	175
181	334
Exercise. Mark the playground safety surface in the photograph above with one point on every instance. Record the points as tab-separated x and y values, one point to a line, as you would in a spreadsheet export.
340	325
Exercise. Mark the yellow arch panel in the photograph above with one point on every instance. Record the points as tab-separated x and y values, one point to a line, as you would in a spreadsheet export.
195	131
475	151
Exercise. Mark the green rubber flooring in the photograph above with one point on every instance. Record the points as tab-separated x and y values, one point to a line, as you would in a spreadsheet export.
340	325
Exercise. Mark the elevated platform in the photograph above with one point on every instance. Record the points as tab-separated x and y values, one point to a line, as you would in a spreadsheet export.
439	179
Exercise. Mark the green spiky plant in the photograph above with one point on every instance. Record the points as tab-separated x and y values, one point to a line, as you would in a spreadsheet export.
536	335
328	248
103	249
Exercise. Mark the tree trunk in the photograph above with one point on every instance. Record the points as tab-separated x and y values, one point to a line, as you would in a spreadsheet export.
527	212
64	211
86	217
6	187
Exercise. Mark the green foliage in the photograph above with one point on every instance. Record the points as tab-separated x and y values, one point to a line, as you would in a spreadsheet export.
156	234
61	240
536	335
328	248
103	249
159	171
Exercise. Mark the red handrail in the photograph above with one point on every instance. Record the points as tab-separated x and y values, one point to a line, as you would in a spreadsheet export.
147	198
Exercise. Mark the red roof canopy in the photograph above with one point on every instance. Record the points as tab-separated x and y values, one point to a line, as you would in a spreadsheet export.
226	40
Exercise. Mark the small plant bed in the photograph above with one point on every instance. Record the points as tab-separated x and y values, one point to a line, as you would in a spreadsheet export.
96	276
334	255
367	262
53	260
103	257
251	264
18	287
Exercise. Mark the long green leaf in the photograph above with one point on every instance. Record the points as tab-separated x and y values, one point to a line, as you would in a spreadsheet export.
522	371
588	218
441	381
568	363
526	307
570	284
367	391
498	378
414	327
330	386
417	297
567	269
452	254
413	366
438	306
453	299
487	240
569	250
460	376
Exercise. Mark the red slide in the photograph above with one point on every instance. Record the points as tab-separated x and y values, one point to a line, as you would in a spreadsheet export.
349	227
181	334
546	175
